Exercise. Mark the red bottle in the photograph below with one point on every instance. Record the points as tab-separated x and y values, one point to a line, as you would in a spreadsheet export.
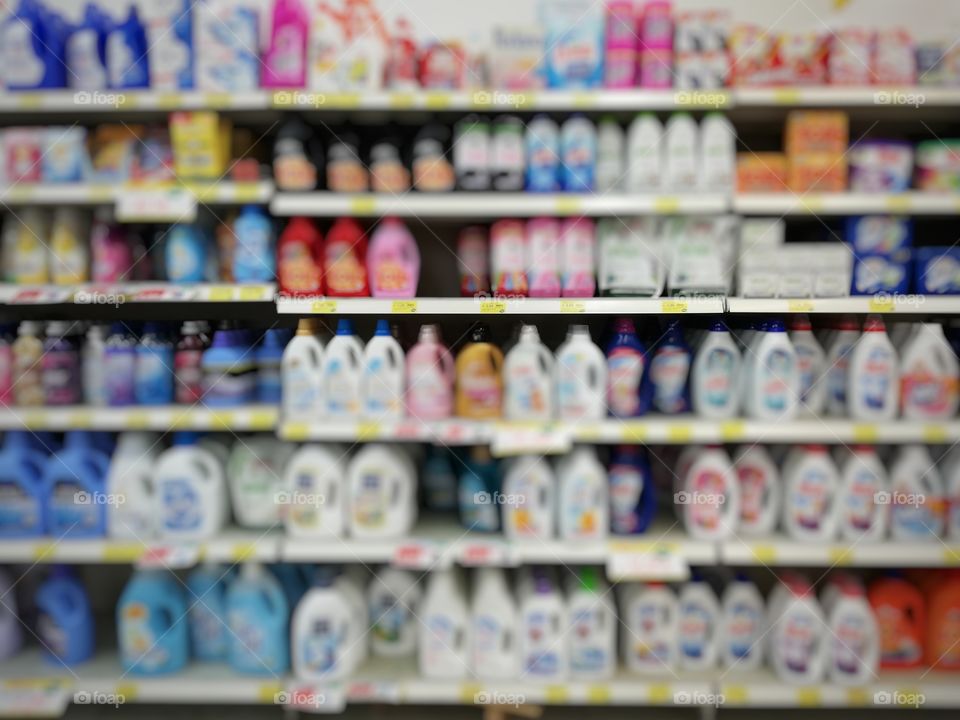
298	258
345	260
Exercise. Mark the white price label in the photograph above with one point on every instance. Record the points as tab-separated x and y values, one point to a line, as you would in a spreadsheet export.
519	439
645	561
173	557
314	699
415	555
34	698
491	553
157	205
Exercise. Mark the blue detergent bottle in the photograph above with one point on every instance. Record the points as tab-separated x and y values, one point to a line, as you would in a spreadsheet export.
120	366
269	356
185	254
65	620
670	372
74	482
628	372
254	256
229	369
207	591
439	480
292	581
151	632
258	616
127	54
153	379
479	482
22	497
632	499
85	51
32	47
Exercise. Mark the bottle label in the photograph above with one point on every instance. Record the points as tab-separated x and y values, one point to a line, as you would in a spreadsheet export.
626	488
624	373
669	371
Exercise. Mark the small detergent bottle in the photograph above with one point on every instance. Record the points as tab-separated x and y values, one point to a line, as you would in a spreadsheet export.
842	341
578	241
342	371
527	501
269	359
439	480
382	493
11	634
943	633
471	153
254	254
620	55
70	260
285	59
479	482
120	362
92	361
645	154
190	487
582	504
74	481
299	268
384	373
810	499
798	642
26	259
188	363
874	373
64	618
611	153
508	258
479	369
544	646
917	496
314	500
698	626
758	482
185	254
301	377
110	253
528	378
543	257
774	382
22	513
715	380
473	261
127	54
345	259
258	616
443	642
592	622
578	154
542	143
863	496
929	375
207	589
60	365
27	351
255	472
393	597
507	162
581	377
742	626
393	261
85	51
130	477
670	372
710	499
229	370
901	615
854	652
632	499
430	375
651	614
627	362
320	632
153	380
151	632
810	366
494	627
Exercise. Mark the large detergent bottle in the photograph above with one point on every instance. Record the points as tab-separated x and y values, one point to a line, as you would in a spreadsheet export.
874	372
153	378
60	365
299	266
862	513
544	647
74	481
670	372
581	377
650	613
384	374
710	498
758	480
528	378
382	492
838	349
645	151
698	626
528	499
345	260
207	588
508	258
578	240
70	261
543	257
32	48
479	480
901	615
257	615
127	53
430	376
186	254
151	632
494	627
254	254
917	496
300	369
943	634
229	368
64	618
439	480
269	359
578	154
632	499
611	154
798	643
342	372
393	597
21	487
542	142
320	633
190	488
314	495
854	654
479	368
627	377
811	483
131	477
582	502
811	364
592	620
742	625
929	375
393	261
285	59
11	634
715	377
443	642
27	351
774	378
255	468
120	363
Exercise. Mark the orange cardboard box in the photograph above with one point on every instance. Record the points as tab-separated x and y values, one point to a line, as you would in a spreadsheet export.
816	131
818	172
761	172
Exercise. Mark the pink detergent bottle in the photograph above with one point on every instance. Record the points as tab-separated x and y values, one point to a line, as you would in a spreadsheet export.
393	261
577	257
111	255
620	63
430	375
285	61
543	263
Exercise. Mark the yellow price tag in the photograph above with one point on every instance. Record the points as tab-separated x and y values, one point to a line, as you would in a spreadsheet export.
858	697
556	694
246	192
660	694
363	205
865	433
680	433
588	433
764	554
437	100
295	431
573	306
44	552
812	204
735	694
809	697
243	551
673	305
786	96
100	193
584	100
252	292
222	419
403	307
898	204
881	304
20	193
138	419
666	205
732	430
799	306
934	434
35	419
469	693
493	307
368	430
122	552
127	690
343	100
220	293
633	432
268	692
80	419
263	419
169	100
29	101
598	694
323	307
399	101
569	206
217	99
840	555
182	420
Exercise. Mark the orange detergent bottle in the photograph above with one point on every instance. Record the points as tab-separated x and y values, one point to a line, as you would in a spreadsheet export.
479	393
943	626
902	620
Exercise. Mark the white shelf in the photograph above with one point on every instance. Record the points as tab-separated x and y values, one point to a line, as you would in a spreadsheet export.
109	102
901	304
878	98
847	203
219	193
785	552
492	205
139	417
113	294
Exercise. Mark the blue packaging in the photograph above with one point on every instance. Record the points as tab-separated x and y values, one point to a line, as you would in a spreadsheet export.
629	390
269	357
632	499
151	632
873	273
31	48
479	482
170	25
292	581
574	40
578	154
65	157
21	487
120	367
127	54
186	254
937	270
64	618
207	586
85	51
879	234
153	381
670	372
254	255
229	370
439	480
258	614
542	148
74	486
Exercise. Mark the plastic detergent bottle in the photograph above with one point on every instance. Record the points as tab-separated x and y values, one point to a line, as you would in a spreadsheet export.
644	156
942	633
471	153
382	385
742	626
479	480
342	371
581	377
269	358
854	653
120	361
92	366
229	370
257	615
314	481
528	378
592	623
929	375
22	513
345	259
479	369
111	256
864	486
27	351
611	153
681	152
393	261
207	588
507	162
153	378
68	245
494	627
186	254
60	365
254	256
300	370
578	240
508	258
710	499
758	480
381	490
285	60
582	502
130	477
126	53
84	52
578	154
64	618
632	499
442	642
627	360
543	257
473	261
811	482
527	499
190	487
299	271
874	372
439	480
718	153
651	614
670	372
74	480
188	363
320	630
774	380
810	366
25	257
542	142
698	626
430	376
798	643
901	615
6	365
917	509
392	597
544	651
950	465
715	376
255	469
152	636
11	634
842	342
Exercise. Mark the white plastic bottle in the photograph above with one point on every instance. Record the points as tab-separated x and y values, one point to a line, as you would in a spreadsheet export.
839	349
527	499
698	626
93	355
302	381
581	371
611	146
582	505
742	625
854	654
810	482
131	478
917	496
718	153
592	626
710	499
773	377
862	510
382	492
494	627
758	481
528	378
544	645
321	633
383	375
797	640
811	364
255	472
442	644
645	151
681	165
191	493
392	598
874	375
351	583
950	470
650	613
342	371
314	499
715	377
929	375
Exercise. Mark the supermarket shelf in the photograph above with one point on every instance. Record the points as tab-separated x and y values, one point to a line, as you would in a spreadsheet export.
901	304
879	98
786	552
161	418
219	193
491	205
846	203
134	292
110	102
501	305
